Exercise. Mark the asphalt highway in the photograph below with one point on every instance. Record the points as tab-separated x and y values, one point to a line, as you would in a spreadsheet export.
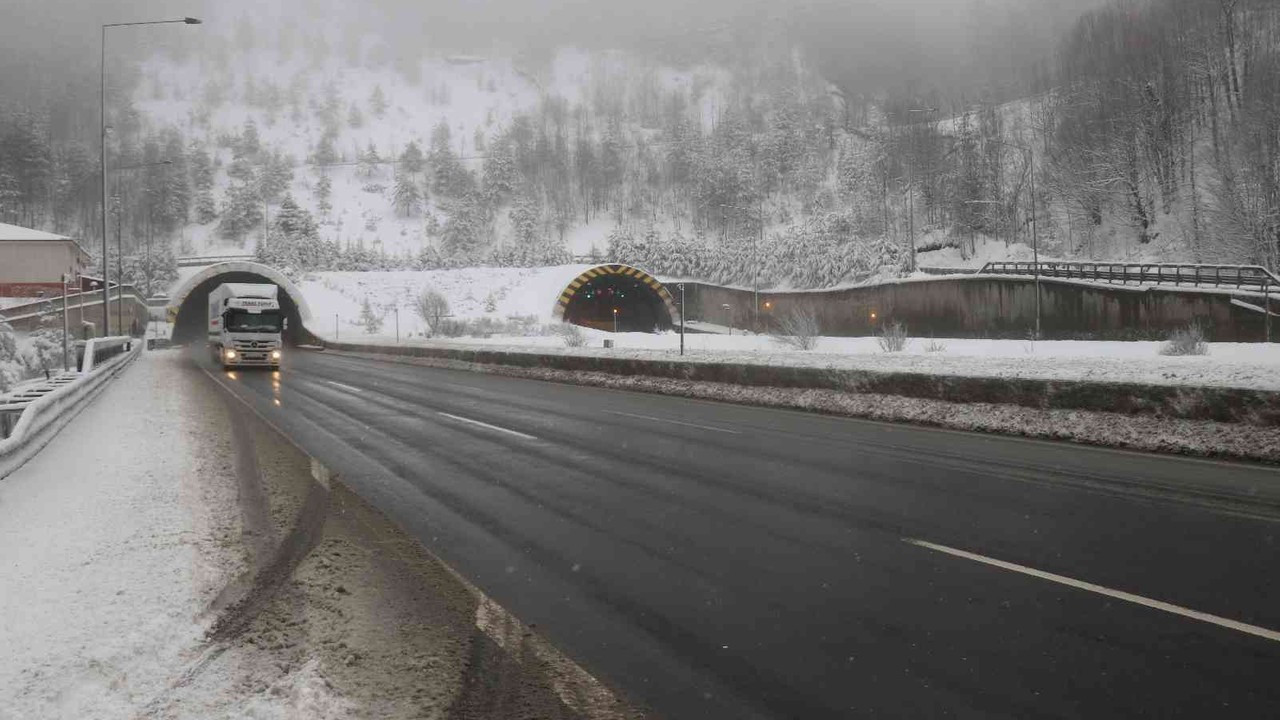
720	561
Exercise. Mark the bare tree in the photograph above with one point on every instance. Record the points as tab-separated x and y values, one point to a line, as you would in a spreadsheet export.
432	307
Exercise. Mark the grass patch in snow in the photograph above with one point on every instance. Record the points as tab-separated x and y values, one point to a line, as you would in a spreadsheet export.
1187	341
893	338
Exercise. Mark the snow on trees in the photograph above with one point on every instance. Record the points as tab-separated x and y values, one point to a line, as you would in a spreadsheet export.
370	318
408	198
432	307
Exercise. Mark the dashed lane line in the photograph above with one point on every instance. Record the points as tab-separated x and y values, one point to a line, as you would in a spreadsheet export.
1099	589
486	425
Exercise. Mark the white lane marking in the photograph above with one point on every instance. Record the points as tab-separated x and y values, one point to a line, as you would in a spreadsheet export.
1118	594
345	387
674	422
487	425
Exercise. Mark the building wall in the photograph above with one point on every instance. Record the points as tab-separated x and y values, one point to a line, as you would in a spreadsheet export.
38	261
984	307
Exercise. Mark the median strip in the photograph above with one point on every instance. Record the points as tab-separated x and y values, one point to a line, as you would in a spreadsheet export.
1099	589
486	425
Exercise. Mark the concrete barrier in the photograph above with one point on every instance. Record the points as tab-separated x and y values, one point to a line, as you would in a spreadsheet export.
41	420
1231	405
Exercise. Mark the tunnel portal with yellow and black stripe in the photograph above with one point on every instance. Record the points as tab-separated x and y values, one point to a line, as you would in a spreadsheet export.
603	294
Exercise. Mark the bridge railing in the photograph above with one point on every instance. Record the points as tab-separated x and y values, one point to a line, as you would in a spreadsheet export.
1240	277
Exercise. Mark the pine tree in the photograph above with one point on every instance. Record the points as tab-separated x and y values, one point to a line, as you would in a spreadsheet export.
202	183
276	175
324	191
408	199
241	211
249	143
326	154
371	321
369	162
378	102
355	118
411	159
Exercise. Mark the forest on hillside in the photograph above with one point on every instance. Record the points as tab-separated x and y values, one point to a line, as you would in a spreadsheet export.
1151	131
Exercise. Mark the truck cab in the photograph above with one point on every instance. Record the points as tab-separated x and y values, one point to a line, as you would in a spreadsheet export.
246	325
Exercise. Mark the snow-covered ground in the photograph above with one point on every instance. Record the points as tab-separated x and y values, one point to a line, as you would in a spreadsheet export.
1244	365
472	293
109	549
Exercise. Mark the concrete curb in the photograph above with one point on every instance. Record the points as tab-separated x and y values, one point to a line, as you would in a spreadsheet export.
43	419
1228	405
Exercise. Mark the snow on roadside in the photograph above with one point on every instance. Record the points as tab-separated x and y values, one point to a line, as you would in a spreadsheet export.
1244	365
113	542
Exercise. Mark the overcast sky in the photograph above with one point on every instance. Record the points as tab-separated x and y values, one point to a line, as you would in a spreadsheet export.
867	45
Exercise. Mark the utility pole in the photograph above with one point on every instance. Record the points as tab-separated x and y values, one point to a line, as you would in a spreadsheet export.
397	324
65	280
682	318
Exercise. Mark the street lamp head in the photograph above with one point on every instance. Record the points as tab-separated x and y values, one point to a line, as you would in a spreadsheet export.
191	21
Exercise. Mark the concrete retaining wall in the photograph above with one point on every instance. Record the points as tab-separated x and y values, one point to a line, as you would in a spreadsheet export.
1232	405
983	306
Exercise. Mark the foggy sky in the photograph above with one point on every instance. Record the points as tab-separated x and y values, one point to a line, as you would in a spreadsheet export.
864	45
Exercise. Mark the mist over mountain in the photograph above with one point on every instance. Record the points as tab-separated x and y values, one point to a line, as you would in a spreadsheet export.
802	144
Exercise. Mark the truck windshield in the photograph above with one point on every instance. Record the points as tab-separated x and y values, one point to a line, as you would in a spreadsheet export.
244	321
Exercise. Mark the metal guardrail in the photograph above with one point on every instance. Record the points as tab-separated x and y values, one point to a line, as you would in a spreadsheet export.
93	352
1240	277
38	421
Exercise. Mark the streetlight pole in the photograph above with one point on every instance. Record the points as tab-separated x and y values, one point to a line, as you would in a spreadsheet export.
102	152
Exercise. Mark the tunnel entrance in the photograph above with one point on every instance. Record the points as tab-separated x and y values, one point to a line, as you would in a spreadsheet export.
632	297
191	302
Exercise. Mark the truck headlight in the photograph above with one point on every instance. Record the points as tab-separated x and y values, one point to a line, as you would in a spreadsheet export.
275	354
231	354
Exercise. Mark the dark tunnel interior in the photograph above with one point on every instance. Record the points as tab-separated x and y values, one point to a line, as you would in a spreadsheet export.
191	324
639	307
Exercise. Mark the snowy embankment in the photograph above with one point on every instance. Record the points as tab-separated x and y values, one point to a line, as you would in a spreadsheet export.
1251	366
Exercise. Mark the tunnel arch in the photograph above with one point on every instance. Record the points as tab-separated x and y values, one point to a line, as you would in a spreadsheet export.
643	304
188	305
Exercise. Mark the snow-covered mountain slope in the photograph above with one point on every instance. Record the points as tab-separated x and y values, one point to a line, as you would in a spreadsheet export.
211	101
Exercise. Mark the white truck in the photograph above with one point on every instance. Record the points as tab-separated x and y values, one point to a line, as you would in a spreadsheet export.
245	325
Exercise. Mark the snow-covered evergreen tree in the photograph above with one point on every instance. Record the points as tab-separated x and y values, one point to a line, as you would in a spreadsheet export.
378	102
369	161
369	318
411	159
408	198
